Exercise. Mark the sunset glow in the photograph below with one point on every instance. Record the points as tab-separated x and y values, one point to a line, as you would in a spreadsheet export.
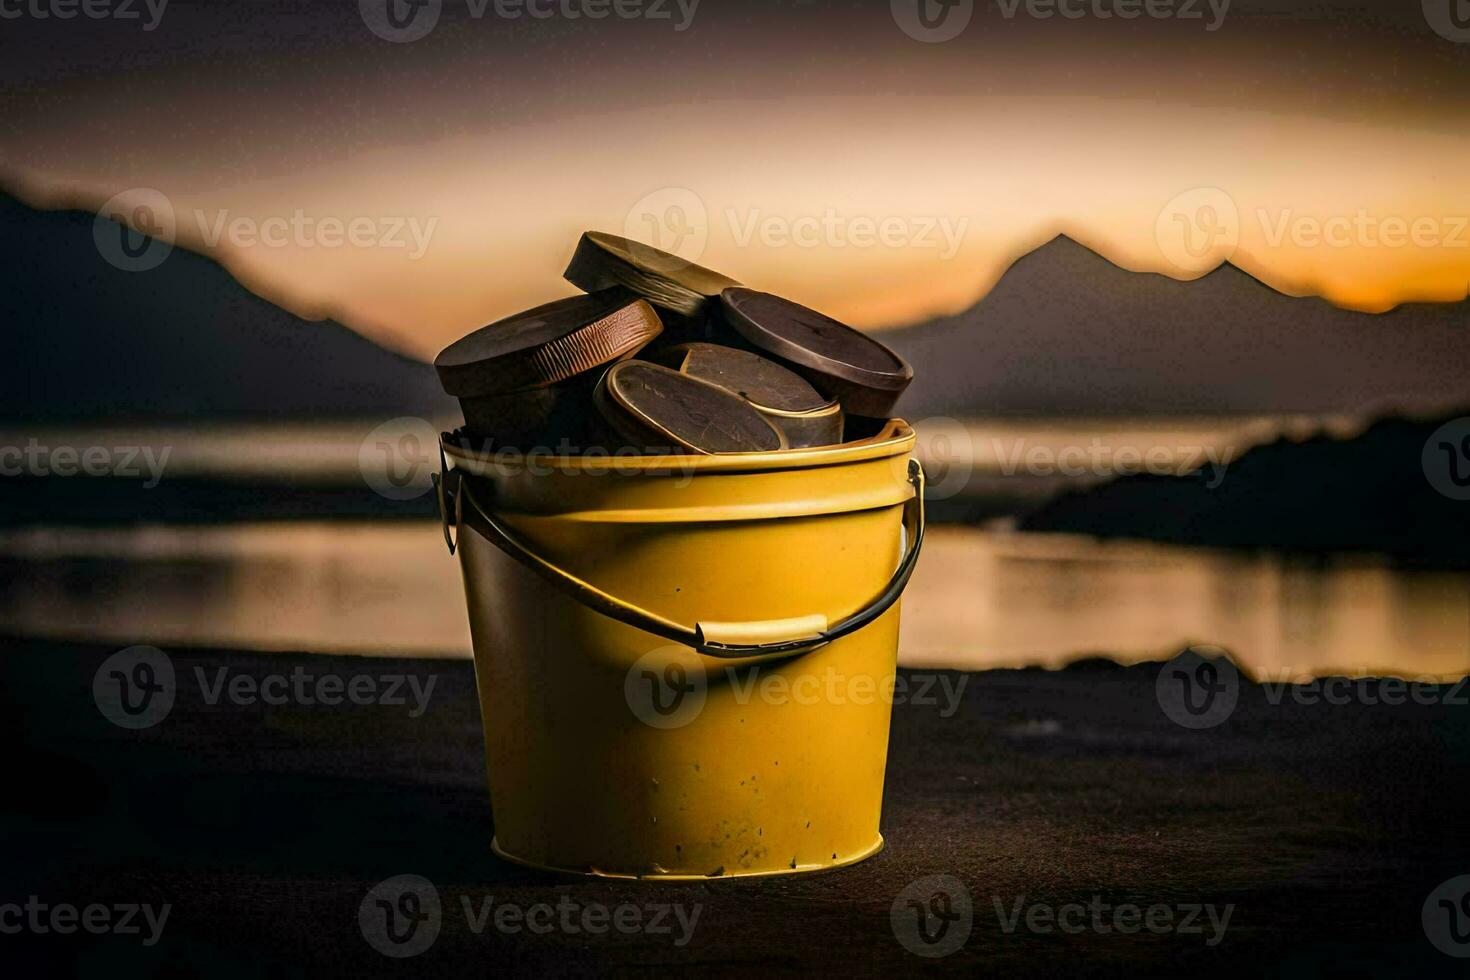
883	196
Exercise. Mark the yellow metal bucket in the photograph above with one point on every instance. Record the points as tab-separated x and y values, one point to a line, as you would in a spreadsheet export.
685	664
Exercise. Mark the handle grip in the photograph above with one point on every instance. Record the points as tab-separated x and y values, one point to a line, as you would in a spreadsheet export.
715	639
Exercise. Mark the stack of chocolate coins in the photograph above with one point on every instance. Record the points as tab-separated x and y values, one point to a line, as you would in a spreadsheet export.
686	295
803	416
527	381
664	356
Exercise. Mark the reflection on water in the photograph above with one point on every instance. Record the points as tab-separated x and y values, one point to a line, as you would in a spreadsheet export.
1022	599
963	456
979	598
336	587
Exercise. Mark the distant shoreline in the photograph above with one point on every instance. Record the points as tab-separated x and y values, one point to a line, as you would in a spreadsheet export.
1293	483
1380	491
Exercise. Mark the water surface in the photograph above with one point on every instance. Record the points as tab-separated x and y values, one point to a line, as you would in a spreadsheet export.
979	599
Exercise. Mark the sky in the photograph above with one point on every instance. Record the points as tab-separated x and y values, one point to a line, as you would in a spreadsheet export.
417	181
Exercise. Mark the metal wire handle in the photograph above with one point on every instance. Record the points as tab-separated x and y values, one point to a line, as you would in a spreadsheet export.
813	629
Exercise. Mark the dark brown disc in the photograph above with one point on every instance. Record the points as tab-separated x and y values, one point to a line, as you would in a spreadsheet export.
841	362
657	407
757	379
547	344
663	278
802	414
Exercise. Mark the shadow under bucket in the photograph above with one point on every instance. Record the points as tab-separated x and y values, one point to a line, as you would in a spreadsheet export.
686	664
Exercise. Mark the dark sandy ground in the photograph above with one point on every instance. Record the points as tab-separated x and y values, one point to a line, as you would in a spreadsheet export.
1326	827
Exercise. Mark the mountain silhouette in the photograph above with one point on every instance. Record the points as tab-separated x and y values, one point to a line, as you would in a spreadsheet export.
84	340
1065	331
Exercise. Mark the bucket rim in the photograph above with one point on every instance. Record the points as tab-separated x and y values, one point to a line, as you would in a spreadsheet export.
896	438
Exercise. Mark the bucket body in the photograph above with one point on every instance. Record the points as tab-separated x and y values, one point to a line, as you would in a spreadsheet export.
612	750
